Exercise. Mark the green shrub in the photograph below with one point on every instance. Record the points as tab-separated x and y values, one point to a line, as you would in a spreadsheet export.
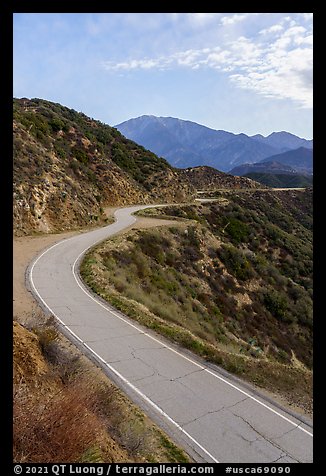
57	124
276	304
236	262
154	246
237	230
80	155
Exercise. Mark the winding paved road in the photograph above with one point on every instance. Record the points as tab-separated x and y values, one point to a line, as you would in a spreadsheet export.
214	416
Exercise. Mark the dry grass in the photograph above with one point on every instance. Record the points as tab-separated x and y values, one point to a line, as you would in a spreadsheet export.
66	409
152	284
55	428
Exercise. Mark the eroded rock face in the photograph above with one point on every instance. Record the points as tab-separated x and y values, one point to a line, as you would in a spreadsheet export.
28	360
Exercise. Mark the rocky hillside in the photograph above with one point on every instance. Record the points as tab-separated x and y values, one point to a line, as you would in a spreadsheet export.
208	178
68	166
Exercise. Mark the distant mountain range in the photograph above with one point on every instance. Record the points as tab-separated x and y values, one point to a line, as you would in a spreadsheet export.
269	167
284	140
281	180
188	144
68	167
298	161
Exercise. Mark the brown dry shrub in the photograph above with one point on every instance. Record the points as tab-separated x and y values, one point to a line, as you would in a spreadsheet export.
55	428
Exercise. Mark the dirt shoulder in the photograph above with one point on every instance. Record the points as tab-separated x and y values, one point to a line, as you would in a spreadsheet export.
24	250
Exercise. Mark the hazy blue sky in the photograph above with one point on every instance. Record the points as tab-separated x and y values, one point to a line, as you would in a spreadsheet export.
241	72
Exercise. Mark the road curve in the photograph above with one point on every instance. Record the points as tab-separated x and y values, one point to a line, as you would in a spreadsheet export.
213	416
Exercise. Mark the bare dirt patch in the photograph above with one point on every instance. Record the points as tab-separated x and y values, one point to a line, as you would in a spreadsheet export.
25	249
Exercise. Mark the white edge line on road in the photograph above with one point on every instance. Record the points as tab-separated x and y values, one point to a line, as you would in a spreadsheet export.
178	353
135	389
144	397
156	407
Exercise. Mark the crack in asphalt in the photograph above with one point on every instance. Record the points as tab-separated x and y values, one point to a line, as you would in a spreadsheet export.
186	375
200	416
265	438
144	378
224	407
280	457
136	349
237	403
154	370
287	432
165	377
251	442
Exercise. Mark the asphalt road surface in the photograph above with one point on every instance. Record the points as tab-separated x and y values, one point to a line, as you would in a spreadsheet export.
214	416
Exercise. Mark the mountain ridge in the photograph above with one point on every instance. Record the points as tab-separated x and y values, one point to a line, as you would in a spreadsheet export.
184	143
293	168
297	160
68	166
269	166
286	140
281	180
300	159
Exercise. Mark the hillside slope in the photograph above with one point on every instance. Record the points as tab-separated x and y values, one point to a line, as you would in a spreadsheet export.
268	167
281	180
208	178
232	282
300	159
68	166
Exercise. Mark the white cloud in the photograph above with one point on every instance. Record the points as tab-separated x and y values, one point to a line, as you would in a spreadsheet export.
307	40
130	65
295	31
284	69
203	18
271	29
236	18
278	66
286	80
